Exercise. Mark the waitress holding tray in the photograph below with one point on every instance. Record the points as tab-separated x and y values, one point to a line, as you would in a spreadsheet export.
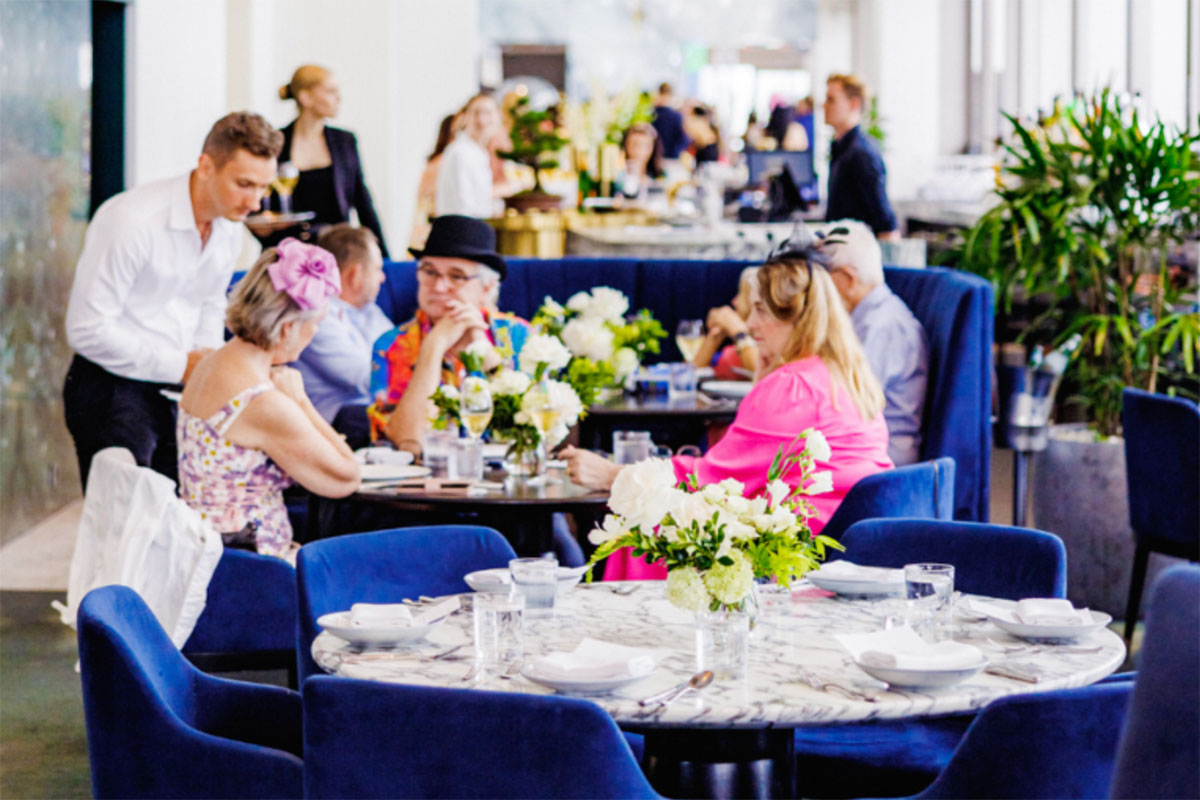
330	176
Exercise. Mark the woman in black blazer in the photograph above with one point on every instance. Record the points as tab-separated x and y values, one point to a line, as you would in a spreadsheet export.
331	177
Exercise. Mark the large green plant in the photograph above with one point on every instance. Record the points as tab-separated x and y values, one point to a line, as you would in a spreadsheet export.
1089	200
534	140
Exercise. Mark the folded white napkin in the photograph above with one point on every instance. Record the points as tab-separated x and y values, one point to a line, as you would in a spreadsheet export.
903	648
382	455
849	571
594	660
380	615
1050	611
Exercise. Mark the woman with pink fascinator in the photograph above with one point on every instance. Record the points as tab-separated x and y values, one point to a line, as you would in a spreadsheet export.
246	429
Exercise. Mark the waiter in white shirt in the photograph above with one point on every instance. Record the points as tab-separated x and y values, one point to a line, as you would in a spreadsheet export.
464	183
148	300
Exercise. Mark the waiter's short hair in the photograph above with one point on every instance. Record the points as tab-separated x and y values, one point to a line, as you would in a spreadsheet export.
852	86
242	130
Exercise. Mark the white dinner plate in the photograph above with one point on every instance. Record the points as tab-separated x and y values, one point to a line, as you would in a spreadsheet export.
382	455
705	373
731	389
849	588
593	686
494	450
338	624
1051	633
498	578
392	472
921	678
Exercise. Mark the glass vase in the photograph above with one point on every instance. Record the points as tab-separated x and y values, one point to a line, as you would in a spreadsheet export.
525	462
723	642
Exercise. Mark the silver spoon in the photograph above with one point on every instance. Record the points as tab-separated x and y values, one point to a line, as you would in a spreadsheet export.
694	684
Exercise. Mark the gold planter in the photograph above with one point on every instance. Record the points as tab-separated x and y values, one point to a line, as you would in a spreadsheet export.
533	234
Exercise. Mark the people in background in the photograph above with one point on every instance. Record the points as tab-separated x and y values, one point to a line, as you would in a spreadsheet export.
643	159
815	375
668	122
427	188
896	346
336	365
857	177
739	359
246	427
804	118
701	129
331	175
458	271
148	301
465	179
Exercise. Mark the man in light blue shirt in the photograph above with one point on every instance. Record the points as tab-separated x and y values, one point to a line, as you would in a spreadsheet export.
336	365
896	345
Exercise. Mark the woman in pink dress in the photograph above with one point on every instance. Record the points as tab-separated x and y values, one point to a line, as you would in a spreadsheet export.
813	375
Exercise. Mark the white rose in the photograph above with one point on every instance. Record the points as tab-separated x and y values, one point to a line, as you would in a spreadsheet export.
625	362
565	401
821	482
543	349
481	348
552	308
579	302
756	506
449	392
713	493
643	492
817	446
737	504
607	304
733	487
692	508
612	528
510	382
588	338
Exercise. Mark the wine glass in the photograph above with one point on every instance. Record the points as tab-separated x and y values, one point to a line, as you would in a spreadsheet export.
284	183
542	411
689	335
475	406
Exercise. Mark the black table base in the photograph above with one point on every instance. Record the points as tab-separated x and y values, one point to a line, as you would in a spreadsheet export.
756	763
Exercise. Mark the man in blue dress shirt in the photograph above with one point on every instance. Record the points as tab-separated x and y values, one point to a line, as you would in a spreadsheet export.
857	177
896	345
336	365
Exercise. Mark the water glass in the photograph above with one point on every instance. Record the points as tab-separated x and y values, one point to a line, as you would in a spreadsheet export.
630	447
723	643
683	382
466	460
499	627
435	451
928	588
537	580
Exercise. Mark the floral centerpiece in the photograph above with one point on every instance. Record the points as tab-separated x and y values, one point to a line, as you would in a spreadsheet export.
606	347
714	540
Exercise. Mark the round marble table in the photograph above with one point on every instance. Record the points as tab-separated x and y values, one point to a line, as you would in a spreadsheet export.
772	696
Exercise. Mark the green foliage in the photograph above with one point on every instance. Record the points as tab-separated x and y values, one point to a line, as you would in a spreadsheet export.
534	138
1088	200
448	409
628	110
587	377
641	333
874	123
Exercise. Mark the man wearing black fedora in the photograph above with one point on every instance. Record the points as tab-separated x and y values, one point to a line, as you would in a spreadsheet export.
458	279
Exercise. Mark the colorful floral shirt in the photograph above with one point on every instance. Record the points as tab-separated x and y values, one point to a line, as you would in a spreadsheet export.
395	355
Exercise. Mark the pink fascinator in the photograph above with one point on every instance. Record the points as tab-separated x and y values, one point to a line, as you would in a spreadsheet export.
308	274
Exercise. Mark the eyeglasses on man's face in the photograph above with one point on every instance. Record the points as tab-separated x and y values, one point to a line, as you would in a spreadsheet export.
456	278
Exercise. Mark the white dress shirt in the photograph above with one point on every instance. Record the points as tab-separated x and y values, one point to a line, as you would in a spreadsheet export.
146	290
464	184
336	365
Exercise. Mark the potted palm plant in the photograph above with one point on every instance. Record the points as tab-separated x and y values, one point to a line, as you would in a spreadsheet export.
1093	205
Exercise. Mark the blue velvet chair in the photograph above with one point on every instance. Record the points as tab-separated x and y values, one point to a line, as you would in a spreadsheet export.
916	490
365	739
1053	745
249	618
1160	747
1162	467
158	727
386	567
891	757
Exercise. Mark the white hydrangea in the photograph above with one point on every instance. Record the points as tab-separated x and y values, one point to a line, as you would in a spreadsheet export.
611	528
821	482
579	302
816	445
607	304
543	349
510	382
625	362
685	589
643	493
589	338
729	584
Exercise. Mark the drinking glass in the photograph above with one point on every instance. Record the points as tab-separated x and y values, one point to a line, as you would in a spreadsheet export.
475	406
499	627
928	588
436	451
466	460
543	413
537	580
630	447
284	183
683	382
689	335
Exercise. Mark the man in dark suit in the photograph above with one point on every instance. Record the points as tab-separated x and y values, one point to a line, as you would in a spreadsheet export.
668	123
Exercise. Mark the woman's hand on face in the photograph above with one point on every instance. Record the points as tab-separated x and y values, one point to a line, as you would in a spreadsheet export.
589	470
290	382
728	320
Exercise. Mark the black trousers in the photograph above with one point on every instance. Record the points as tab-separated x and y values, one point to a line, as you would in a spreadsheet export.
106	410
351	421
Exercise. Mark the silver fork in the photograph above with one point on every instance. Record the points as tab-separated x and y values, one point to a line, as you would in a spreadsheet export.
826	686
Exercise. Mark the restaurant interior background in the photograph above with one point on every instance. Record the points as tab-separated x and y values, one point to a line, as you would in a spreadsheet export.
942	71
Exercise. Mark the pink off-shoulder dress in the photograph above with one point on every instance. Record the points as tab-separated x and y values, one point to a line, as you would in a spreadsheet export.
796	396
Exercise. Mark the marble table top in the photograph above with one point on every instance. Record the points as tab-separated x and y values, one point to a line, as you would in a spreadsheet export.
772	695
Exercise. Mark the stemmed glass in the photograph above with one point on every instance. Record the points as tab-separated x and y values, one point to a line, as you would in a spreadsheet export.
689	335
284	183
475	406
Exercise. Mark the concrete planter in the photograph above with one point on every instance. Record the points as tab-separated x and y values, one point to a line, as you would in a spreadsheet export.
1079	493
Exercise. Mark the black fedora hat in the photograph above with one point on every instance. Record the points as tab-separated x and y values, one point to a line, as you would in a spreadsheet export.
456	236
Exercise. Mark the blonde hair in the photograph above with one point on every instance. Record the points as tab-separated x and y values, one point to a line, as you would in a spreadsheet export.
745	292
853	87
258	311
802	293
306	77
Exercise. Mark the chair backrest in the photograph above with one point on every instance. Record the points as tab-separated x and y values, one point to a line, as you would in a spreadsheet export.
386	567
1162	467
251	606
923	490
149	728
992	560
366	739
1054	745
1160	746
